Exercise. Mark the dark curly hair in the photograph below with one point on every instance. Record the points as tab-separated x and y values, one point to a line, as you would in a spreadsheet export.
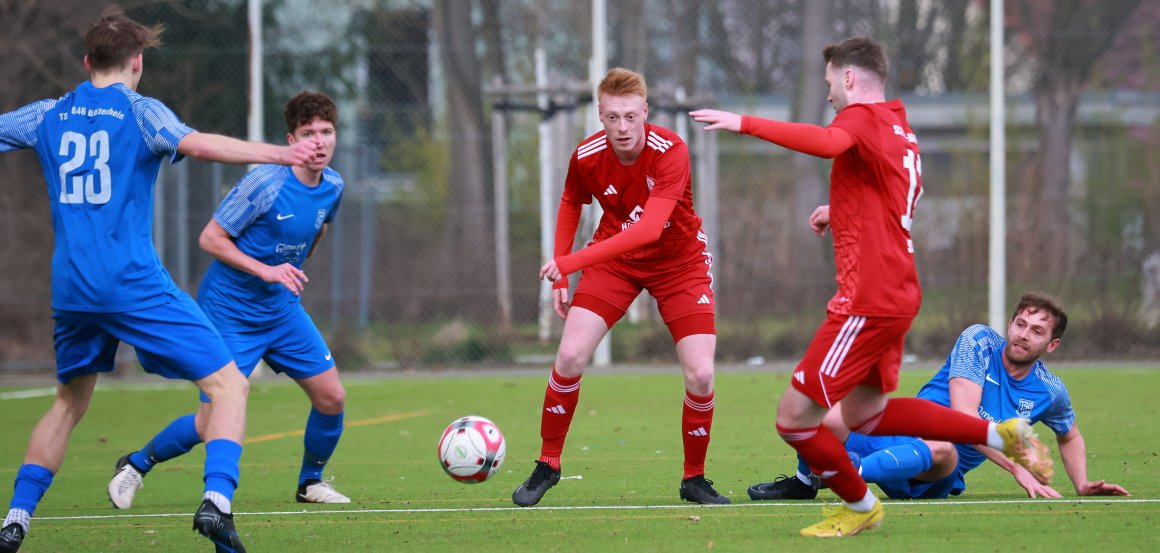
307	106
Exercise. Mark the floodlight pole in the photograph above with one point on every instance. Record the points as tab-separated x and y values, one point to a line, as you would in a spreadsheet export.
255	124
997	266
597	67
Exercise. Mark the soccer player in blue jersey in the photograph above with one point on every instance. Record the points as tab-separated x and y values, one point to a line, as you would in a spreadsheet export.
986	376
260	236
100	147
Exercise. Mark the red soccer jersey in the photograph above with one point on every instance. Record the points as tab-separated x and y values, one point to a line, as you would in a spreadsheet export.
874	187
661	170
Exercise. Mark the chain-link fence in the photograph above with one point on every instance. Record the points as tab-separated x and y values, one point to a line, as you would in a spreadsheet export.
451	121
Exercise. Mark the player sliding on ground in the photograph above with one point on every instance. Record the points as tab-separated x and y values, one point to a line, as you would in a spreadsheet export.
875	184
649	238
985	375
260	236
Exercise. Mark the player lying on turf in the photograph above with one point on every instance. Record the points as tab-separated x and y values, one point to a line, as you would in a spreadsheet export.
984	374
875	185
260	236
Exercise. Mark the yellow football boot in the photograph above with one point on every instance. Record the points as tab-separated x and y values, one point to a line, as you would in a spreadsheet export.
842	521
1021	446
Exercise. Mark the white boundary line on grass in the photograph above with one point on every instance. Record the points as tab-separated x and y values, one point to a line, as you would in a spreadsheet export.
604	508
117	387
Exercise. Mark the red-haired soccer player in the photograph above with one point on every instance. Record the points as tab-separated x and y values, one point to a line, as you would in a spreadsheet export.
649	238
854	357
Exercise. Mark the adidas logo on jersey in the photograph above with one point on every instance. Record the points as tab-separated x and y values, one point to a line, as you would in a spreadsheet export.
800	377
610	191
704	299
700	431
559	410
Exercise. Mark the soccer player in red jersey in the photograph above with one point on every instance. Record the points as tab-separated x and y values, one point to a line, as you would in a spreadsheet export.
649	238
875	183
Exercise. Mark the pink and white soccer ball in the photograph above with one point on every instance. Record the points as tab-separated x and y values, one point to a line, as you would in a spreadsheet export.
471	449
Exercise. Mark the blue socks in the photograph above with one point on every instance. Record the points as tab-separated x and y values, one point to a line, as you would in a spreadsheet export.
322	434
221	467
897	462
176	440
894	463
31	483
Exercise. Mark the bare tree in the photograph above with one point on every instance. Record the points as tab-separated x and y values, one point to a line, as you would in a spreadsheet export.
466	244
1065	38
43	47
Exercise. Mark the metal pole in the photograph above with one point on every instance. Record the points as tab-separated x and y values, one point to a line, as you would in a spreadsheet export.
997	266
597	67
182	223
547	198
255	124
499	182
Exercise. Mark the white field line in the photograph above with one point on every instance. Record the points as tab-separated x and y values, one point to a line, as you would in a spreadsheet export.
755	504
141	387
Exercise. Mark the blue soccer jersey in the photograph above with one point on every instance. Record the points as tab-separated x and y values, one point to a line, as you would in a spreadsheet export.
978	357
274	218
101	149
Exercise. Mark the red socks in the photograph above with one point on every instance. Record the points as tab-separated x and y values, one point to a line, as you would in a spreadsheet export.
908	416
827	458
696	423
560	400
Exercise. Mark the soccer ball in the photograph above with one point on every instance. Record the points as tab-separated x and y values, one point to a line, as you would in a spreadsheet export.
471	449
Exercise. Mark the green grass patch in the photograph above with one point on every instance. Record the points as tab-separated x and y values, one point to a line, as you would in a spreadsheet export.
625	445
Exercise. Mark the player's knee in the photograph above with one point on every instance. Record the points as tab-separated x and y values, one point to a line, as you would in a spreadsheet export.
71	409
699	380
331	402
942	454
227	386
570	361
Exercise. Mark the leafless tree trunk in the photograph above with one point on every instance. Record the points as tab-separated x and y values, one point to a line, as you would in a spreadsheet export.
810	184
466	237
1066	38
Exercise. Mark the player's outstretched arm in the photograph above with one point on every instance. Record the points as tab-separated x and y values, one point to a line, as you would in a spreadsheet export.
1073	452
717	120
826	142
224	149
215	241
965	396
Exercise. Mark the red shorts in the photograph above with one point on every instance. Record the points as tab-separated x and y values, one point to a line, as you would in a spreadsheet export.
681	290
848	351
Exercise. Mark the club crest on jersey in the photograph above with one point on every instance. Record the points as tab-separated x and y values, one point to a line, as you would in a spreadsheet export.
318	219
650	182
1025	407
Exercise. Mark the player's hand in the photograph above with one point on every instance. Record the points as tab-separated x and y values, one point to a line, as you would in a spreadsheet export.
1100	487
717	120
550	272
300	152
1032	486
820	219
293	278
560	302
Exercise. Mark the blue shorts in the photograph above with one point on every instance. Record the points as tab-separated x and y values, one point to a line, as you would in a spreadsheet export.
291	345
164	337
864	445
